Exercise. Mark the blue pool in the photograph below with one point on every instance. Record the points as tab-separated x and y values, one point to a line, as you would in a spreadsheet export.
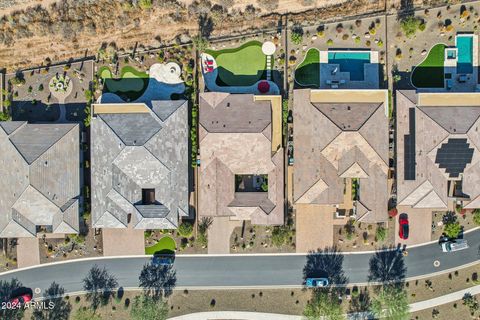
465	54
352	62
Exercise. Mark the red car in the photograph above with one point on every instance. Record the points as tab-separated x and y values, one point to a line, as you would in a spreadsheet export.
21	299
403	227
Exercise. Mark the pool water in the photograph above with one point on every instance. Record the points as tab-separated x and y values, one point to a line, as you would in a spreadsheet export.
465	54
352	62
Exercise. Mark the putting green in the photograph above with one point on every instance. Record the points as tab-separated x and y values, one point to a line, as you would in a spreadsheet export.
132	82
242	66
164	245
430	73
308	72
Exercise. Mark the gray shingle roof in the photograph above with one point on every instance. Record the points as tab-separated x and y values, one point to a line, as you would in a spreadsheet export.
34	139
164	109
135	151
40	178
134	129
10	126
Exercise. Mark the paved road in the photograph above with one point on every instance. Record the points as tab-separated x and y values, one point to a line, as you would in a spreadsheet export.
243	270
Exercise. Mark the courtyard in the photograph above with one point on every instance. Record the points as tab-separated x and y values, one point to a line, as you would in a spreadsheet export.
50	93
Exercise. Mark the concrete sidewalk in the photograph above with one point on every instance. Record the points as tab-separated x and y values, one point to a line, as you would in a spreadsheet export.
454	296
236	315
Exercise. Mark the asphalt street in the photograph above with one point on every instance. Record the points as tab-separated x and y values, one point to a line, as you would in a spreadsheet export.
247	270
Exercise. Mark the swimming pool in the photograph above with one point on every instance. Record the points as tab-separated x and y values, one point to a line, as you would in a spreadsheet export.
352	62
465	54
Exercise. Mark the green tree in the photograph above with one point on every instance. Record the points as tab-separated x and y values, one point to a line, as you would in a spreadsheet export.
391	303
410	25
200	43
99	285
452	229
86	314
145	308
476	216
323	304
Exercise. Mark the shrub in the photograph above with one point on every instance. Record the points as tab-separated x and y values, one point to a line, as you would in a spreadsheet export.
145	4
296	37
280	235
329	42
345	37
476	217
452	229
380	43
185	229
410	25
40	87
355	291
381	233
17	80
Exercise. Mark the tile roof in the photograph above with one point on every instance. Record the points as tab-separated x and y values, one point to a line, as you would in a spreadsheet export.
436	143
132	151
336	140
233	142
40	178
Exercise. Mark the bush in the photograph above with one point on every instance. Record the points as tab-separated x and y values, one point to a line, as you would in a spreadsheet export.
145	4
476	217
410	25
280	235
329	42
381	233
296	37
452	229
185	229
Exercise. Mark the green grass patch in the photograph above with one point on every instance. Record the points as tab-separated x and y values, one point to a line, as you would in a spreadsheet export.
131	84
308	72
242	66
165	245
430	73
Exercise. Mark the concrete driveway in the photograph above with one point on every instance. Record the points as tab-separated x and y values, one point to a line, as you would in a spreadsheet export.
420	225
28	252
123	242
314	227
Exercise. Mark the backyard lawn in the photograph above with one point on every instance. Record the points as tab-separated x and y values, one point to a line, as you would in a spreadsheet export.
131	85
164	245
308	72
430	73
242	66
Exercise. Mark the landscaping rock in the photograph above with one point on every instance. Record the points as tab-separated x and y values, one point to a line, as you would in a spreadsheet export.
367	35
314	37
424	52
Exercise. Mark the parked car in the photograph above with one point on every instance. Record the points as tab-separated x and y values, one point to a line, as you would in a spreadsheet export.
403	227
163	260
454	245
21	296
316	282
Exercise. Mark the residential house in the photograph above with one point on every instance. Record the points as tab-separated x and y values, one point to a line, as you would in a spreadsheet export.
139	163
40	184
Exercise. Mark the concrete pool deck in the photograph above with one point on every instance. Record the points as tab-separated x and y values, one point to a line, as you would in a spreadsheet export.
332	76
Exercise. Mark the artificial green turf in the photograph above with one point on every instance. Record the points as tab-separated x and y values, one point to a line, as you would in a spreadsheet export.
242	66
132	83
164	245
430	73
308	72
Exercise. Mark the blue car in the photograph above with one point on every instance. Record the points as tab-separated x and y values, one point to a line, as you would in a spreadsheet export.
163	260
316	282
